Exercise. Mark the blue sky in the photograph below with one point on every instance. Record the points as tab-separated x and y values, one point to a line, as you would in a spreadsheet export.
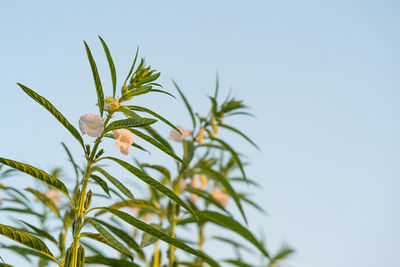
321	76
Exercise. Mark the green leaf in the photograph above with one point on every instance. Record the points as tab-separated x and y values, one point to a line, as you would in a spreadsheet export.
123	236
110	262
189	108
71	159
190	264
252	203
96	78
235	156
111	65
240	133
206	196
127	123
152	182
216	87
40	232
232	242
158	168
138	203
101	183
26	211
100	238
108	236
47	105
238	263
26	240
37	173
7	188
229	223
148	239
45	200
143	109
188	151
222	179
156	144
158	137
162	91
133	65
159	234
284	252
25	252
115	182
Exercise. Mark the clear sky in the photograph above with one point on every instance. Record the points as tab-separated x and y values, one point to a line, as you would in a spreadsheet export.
321	76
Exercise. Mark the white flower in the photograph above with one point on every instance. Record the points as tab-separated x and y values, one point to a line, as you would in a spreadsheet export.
124	140
54	195
176	136
91	124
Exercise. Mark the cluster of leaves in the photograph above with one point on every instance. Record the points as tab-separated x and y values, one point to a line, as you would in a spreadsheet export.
175	202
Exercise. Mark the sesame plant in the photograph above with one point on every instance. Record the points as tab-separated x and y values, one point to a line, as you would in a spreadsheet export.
94	217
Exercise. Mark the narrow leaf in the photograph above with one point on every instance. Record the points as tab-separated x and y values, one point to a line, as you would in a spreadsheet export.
110	262
189	108
26	240
222	179
160	235
143	109
115	182
45	200
96	78
108	236
136	203
101	183
230	223
156	144
41	232
152	182
235	156
240	133
36	173
47	105
127	123
133	65
111	65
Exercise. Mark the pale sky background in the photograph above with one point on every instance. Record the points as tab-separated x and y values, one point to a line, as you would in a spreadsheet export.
321	76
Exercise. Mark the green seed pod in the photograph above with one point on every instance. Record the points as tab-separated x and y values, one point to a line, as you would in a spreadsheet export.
88	199
77	196
81	256
68	257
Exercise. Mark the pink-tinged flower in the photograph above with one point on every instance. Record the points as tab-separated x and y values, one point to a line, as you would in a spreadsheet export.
182	185
134	209
91	124
221	197
147	217
195	184
124	140
53	195
176	136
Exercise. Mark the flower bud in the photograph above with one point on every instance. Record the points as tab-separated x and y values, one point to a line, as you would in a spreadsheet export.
214	125
200	136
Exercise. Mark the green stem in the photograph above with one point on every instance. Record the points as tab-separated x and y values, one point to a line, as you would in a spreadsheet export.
82	197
